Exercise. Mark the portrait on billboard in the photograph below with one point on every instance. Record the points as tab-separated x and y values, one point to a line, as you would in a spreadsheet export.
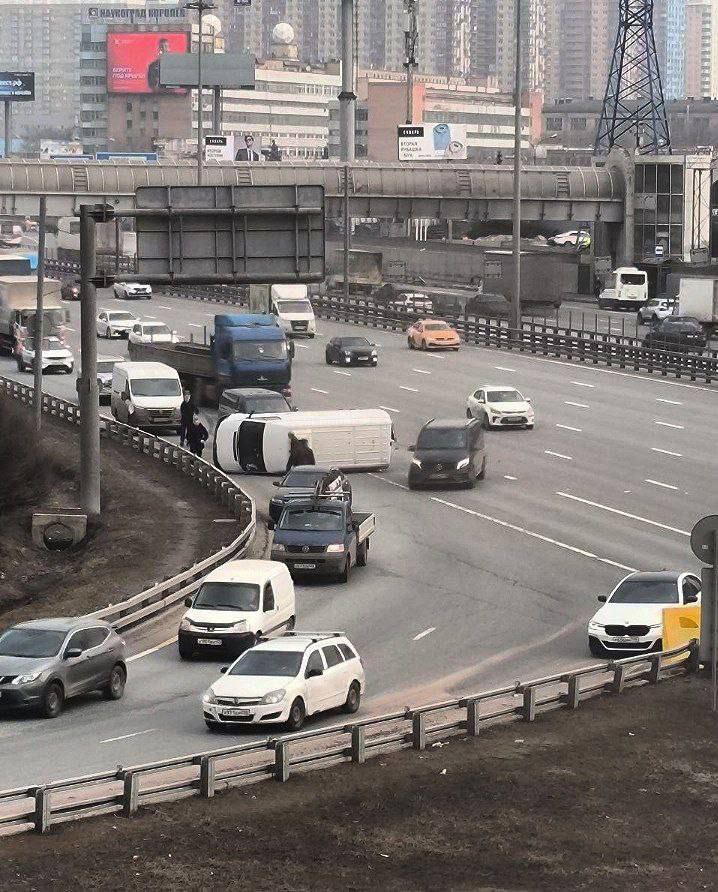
249	151
133	60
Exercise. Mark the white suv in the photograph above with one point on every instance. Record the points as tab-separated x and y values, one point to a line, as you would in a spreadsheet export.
285	680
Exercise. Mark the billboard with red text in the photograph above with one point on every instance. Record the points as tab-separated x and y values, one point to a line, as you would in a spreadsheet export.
133	60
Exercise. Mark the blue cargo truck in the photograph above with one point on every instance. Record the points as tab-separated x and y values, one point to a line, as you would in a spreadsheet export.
246	350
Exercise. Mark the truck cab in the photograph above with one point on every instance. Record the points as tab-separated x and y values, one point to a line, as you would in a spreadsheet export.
250	349
625	289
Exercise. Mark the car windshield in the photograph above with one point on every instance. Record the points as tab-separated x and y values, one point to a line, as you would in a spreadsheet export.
31	643
294	306
267	404
437	326
646	591
120	317
268	662
311	519
442	438
156	329
105	366
266	351
227	596
633	278
354	342
504	396
52	320
155	387
303	478
49	344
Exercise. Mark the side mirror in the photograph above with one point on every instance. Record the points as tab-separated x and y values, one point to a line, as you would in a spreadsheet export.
188	602
411	448
603	598
73	652
224	670
295	408
314	673
528	399
276	483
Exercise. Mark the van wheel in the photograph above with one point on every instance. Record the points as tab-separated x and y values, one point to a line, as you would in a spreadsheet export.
362	553
327	359
485	422
482	473
297	715
353	701
53	699
215	727
344	575
185	652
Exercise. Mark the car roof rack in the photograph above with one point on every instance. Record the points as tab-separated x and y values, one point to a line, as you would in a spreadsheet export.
315	636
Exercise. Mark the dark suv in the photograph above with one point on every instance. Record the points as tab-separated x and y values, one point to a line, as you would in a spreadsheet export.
251	399
448	451
681	334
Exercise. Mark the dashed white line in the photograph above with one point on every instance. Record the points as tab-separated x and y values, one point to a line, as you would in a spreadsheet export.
435	356
658	483
153	317
317	390
557	455
582	384
666	452
151	650
678	427
424	633
421	371
503	368
670	402
163	307
127	736
653	523
390	409
509	477
567	427
411	389
299	346
577	405
342	372
533	535
195	325
67	328
386	480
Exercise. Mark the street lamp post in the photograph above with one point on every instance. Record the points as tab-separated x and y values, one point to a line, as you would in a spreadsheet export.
201	6
516	301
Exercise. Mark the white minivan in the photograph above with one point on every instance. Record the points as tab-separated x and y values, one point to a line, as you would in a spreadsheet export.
293	309
146	394
236	605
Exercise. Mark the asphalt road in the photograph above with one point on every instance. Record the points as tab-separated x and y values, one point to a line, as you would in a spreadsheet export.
464	589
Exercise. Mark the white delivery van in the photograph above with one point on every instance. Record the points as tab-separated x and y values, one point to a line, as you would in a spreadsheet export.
626	288
349	439
146	394
293	309
236	605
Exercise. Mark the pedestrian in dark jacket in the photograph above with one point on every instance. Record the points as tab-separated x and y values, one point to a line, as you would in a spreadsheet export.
300	452
187	410
197	435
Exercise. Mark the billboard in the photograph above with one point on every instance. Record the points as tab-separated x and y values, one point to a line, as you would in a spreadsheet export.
17	86
133	60
432	142
219	147
249	148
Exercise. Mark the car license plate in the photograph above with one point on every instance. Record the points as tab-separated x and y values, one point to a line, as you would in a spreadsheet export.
234	713
632	639
305	566
214	642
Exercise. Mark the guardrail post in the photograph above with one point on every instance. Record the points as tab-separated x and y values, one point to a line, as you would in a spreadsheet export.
206	777
473	717
281	761
418	731
42	809
619	679
130	793
573	694
529	707
654	673
693	662
358	744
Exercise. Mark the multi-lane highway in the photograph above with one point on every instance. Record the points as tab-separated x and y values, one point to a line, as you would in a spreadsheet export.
463	588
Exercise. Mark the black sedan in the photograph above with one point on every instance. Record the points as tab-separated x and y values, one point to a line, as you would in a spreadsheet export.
70	290
351	351
681	334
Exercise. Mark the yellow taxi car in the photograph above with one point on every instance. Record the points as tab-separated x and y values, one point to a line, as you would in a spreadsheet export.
432	334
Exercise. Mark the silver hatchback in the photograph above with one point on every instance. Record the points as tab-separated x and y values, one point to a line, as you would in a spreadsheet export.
46	661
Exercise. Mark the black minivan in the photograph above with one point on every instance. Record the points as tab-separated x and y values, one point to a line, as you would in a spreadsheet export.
448	451
679	334
255	400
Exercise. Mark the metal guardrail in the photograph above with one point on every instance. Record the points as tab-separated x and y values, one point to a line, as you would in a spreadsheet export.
124	790
166	594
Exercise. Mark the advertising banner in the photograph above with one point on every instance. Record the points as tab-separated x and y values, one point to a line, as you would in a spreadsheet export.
133	60
432	142
249	148
219	147
17	86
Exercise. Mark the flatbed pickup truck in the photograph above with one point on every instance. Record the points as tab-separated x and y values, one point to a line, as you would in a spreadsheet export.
322	536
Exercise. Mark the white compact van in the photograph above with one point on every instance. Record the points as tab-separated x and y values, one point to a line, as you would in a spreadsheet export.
293	309
236	605
349	439
146	394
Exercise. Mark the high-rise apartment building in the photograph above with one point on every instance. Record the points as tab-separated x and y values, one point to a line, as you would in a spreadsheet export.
579	42
669	27
698	48
533	35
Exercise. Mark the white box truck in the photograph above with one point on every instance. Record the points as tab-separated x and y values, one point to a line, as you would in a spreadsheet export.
289	303
698	297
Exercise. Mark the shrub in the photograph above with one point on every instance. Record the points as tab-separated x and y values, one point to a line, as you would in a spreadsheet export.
27	467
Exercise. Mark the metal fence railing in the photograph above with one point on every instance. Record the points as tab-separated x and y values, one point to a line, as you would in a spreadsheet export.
41	806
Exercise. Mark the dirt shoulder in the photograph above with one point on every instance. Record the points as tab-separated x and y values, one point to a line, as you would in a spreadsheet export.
154	522
621	795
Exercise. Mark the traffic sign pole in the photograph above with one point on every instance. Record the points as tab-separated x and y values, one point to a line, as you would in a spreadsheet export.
704	544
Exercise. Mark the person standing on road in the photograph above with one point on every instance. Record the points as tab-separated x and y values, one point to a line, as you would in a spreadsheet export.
187	411
300	452
197	435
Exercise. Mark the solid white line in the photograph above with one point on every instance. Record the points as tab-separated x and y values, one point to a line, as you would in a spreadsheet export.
578	405
532	534
412	389
503	368
317	390
582	384
678	427
151	650
658	483
421	371
666	452
509	477
653	523
126	736
557	455
390	482
195	325
341	372
567	427
670	402
424	633
390	409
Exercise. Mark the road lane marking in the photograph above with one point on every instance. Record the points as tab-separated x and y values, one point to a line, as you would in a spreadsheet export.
577	405
163	307
633	375
666	452
503	368
678	427
317	390
127	736
67	327
653	523
411	389
658	483
424	633
435	356
421	371
195	325
299	346
509	477
342	372
150	317
151	650
532	534
557	455
670	402
582	384
567	427
386	480
390	409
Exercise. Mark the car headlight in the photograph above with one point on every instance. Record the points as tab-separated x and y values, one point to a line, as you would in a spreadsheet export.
416	462
185	625
464	463
209	697
278	547
374	353
239	626
274	696
596	627
26	679
656	626
335	549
